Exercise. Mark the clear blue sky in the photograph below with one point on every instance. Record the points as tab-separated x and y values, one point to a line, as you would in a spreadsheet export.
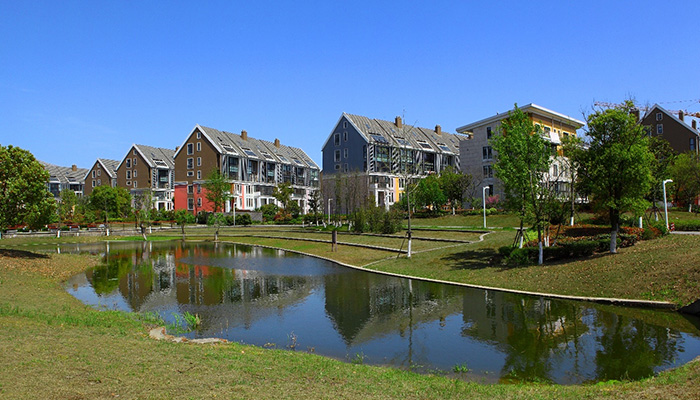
82	80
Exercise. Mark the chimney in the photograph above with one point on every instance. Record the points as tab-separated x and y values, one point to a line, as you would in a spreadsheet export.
177	148
635	112
244	135
680	115
398	122
438	129
74	167
277	143
695	124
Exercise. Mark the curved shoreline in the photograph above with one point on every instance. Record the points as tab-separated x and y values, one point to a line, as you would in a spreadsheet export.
601	300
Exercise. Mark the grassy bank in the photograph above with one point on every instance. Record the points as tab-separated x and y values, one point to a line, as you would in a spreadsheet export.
55	347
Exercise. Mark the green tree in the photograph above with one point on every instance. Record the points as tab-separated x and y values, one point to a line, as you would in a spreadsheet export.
110	202
283	193
685	172
66	205
453	184
616	167
182	218
269	211
523	160
24	197
218	190
217	219
429	193
315	203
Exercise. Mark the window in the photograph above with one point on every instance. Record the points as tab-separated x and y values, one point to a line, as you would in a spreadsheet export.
660	129
199	188
490	190
93	183
337	167
345	153
659	116
199	146
128	174
345	167
136	184
488	171
336	139
487	153
337	156
190	204
93	173
135	171
134	161
199	174
199	161
692	144
345	136
555	169
128	162
345	124
190	163
190	149
199	202
99	172
199	135
128	183
190	189
488	132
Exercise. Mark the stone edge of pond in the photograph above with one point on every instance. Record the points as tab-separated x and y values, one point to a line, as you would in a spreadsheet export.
159	334
602	300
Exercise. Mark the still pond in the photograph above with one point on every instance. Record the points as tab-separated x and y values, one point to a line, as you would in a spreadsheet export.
276	299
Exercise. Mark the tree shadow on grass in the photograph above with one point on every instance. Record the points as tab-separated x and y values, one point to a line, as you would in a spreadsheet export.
11	253
472	259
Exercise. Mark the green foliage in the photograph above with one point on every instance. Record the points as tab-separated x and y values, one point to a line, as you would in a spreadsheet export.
376	220
183	217
216	219
243	219
428	193
217	189
24	198
454	184
616	167
66	205
115	201
685	172
664	157
293	209
283	193
269	211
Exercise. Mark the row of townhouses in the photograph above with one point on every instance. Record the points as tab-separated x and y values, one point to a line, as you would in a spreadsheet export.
363	158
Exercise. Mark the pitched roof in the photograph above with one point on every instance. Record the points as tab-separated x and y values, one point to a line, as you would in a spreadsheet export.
378	131
234	144
154	156
683	123
65	175
532	107
109	166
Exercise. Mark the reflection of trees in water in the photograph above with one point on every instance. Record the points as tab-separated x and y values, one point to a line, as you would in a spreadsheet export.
530	331
631	349
364	306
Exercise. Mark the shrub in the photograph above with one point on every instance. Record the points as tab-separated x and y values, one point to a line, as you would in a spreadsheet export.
687	225
243	219
269	211
203	217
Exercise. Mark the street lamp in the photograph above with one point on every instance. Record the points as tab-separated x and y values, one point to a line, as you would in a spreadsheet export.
329	210
666	204
483	198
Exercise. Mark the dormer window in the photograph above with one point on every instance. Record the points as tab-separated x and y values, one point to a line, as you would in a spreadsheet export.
659	116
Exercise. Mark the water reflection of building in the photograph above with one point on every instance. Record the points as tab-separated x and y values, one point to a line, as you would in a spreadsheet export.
154	278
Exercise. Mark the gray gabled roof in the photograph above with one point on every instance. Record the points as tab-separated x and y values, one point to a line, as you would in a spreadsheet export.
65	174
109	166
233	143
155	157
377	131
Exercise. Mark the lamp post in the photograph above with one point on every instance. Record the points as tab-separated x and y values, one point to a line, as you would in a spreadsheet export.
329	210
483	198
666	204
